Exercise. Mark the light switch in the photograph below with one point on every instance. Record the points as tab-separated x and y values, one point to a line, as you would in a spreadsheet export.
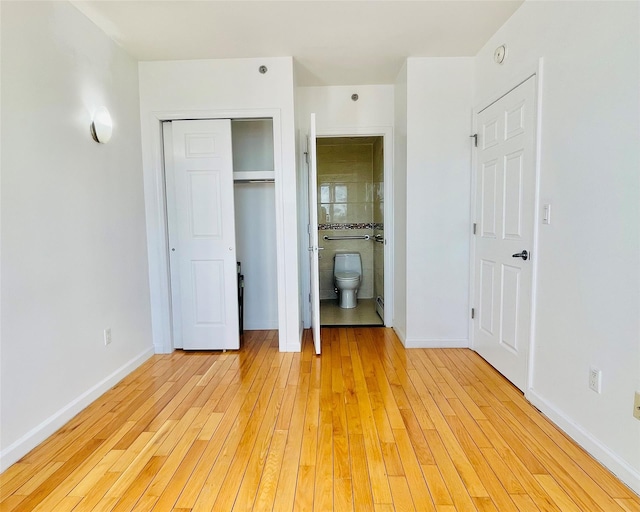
546	216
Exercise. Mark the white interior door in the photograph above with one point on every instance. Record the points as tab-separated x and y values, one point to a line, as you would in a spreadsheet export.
200	213
505	205
313	235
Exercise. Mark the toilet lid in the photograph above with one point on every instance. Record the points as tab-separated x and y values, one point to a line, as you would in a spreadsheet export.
347	276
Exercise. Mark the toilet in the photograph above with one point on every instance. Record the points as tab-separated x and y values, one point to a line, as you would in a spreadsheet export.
347	274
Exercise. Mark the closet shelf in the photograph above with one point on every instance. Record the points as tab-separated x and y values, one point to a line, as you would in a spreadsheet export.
254	176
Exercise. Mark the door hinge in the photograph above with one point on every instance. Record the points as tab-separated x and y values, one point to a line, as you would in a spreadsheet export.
475	139
309	297
474	228
473	313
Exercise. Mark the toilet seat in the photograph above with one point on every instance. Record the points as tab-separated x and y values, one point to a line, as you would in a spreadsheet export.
347	276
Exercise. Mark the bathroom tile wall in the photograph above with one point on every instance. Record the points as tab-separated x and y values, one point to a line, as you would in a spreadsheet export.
345	197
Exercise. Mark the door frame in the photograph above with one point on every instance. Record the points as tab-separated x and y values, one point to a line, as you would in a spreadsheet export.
157	227
386	132
512	84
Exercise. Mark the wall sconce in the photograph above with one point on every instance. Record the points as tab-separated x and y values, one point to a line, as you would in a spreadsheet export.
101	126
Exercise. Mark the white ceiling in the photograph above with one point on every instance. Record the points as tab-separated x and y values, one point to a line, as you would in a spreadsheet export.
337	42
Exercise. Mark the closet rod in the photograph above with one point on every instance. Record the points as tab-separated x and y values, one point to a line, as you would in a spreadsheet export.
266	180
347	237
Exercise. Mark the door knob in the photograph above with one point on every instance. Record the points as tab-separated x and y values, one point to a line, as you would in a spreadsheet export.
524	255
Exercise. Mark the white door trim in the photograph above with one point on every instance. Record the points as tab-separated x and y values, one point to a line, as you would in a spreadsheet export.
512	84
155	211
386	132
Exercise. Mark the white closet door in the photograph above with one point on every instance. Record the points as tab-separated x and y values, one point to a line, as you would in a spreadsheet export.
202	235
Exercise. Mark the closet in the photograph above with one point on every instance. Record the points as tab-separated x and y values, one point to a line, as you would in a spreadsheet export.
220	191
254	199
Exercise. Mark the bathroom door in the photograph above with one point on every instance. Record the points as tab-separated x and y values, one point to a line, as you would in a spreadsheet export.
314	266
200	214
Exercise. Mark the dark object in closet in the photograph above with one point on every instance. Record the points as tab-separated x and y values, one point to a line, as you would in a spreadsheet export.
240	297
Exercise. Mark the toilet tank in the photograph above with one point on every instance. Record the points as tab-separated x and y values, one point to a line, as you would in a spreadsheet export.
347	262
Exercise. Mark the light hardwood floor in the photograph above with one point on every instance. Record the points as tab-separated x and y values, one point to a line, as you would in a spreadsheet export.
366	426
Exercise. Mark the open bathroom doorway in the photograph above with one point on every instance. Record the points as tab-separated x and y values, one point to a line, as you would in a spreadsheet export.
351	225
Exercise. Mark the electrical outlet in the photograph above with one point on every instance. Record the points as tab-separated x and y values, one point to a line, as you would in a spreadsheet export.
636	406
107	336
595	379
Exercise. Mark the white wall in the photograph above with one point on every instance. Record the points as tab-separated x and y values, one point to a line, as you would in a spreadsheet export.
588	296
255	207
439	105
336	113
335	109
73	236
400	204
230	88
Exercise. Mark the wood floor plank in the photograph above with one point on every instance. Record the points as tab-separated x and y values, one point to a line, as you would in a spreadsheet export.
437	487
459	493
97	492
304	488
48	494
33	483
236	413
401	494
10	480
179	478
265	495
222	484
420	492
287	480
85	486
136	488
362	496
570	455
323	488
257	458
560	497
11	502
375	461
629	504
343	494
490	481
367	425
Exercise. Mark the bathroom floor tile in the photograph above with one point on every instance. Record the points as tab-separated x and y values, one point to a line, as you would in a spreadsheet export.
363	314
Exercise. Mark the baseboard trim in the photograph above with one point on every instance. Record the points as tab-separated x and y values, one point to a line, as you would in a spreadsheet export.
618	466
435	343
38	434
